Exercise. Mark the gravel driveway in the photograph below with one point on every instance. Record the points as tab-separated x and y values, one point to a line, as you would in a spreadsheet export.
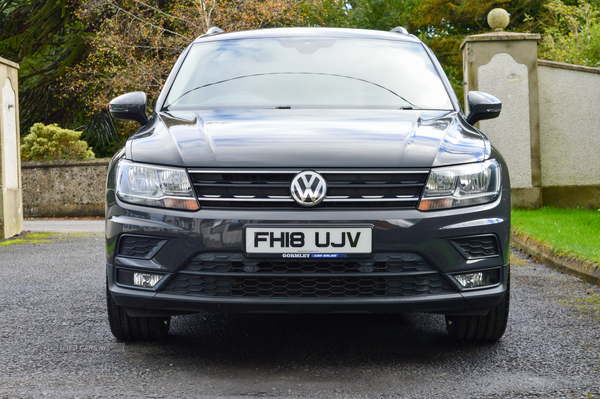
55	342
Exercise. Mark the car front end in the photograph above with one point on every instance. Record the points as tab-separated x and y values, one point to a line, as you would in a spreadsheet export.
306	209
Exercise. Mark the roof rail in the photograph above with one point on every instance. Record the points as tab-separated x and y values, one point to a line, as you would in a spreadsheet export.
212	31
400	29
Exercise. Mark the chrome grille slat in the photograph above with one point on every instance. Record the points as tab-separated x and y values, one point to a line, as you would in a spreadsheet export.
369	185
235	185
399	199
322	171
245	199
396	188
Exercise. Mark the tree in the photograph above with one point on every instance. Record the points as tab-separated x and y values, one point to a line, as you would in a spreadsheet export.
382	14
47	39
137	42
572	34
325	13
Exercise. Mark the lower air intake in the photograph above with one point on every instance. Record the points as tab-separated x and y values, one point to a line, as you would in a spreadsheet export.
477	246
139	246
234	275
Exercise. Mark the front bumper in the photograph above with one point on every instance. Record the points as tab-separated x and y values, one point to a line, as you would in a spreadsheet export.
184	236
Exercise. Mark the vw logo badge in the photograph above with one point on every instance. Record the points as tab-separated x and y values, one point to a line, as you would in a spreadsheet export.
308	188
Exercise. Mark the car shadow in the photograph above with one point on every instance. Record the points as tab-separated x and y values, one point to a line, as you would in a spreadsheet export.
305	341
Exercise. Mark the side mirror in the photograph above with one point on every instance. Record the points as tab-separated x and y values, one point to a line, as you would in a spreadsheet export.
130	107
482	106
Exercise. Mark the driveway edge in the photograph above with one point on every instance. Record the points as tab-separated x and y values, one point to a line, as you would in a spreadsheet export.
585	270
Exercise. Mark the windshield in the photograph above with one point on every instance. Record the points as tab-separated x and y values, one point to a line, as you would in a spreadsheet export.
307	73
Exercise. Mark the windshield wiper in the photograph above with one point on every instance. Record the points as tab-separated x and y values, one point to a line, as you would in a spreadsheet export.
290	73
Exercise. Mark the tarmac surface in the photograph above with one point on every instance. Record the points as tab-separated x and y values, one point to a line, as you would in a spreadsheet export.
55	341
94	225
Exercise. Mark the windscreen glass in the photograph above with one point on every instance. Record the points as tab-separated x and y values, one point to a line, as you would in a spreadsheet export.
307	73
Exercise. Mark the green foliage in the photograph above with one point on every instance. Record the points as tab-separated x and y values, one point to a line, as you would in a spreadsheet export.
572	34
382	14
102	135
46	39
51	143
328	13
574	232
136	43
76	56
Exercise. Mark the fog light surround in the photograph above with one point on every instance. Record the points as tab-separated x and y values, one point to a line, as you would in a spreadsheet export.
478	279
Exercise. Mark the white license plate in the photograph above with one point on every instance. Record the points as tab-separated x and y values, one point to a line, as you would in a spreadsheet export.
308	240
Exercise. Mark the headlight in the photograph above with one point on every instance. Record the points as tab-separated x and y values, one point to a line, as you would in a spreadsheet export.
155	186
462	185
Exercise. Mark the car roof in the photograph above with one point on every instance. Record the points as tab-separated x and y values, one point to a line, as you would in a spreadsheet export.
309	32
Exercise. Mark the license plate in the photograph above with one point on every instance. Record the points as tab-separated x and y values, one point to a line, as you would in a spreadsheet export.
317	242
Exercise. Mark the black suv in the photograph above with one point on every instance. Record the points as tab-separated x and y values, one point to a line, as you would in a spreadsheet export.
307	170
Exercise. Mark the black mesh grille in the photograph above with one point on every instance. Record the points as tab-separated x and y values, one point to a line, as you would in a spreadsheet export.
347	189
477	246
236	263
234	275
307	287
139	246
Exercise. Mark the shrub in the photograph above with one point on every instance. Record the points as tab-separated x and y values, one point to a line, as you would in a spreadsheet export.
573	34
50	143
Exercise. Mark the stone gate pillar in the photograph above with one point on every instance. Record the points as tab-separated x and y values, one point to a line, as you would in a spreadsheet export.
504	64
11	201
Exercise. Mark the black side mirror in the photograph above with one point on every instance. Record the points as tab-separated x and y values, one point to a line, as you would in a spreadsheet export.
482	106
130	107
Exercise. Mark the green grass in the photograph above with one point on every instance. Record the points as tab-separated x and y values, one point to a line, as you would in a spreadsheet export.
41	237
574	232
27	238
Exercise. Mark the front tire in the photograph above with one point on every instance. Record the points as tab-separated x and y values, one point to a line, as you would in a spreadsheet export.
126	328
488	328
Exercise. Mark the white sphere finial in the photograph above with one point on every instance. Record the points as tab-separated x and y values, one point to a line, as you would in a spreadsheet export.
498	19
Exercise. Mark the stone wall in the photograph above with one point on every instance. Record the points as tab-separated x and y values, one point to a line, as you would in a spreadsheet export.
569	134
570	123
64	188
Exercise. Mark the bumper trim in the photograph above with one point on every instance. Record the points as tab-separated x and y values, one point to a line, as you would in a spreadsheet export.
150	303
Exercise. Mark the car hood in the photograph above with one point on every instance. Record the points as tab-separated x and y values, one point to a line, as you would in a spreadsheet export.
308	139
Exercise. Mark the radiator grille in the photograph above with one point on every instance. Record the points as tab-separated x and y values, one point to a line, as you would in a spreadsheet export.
345	188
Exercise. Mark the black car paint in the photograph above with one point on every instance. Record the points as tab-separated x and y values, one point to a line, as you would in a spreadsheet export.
323	138
297	138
